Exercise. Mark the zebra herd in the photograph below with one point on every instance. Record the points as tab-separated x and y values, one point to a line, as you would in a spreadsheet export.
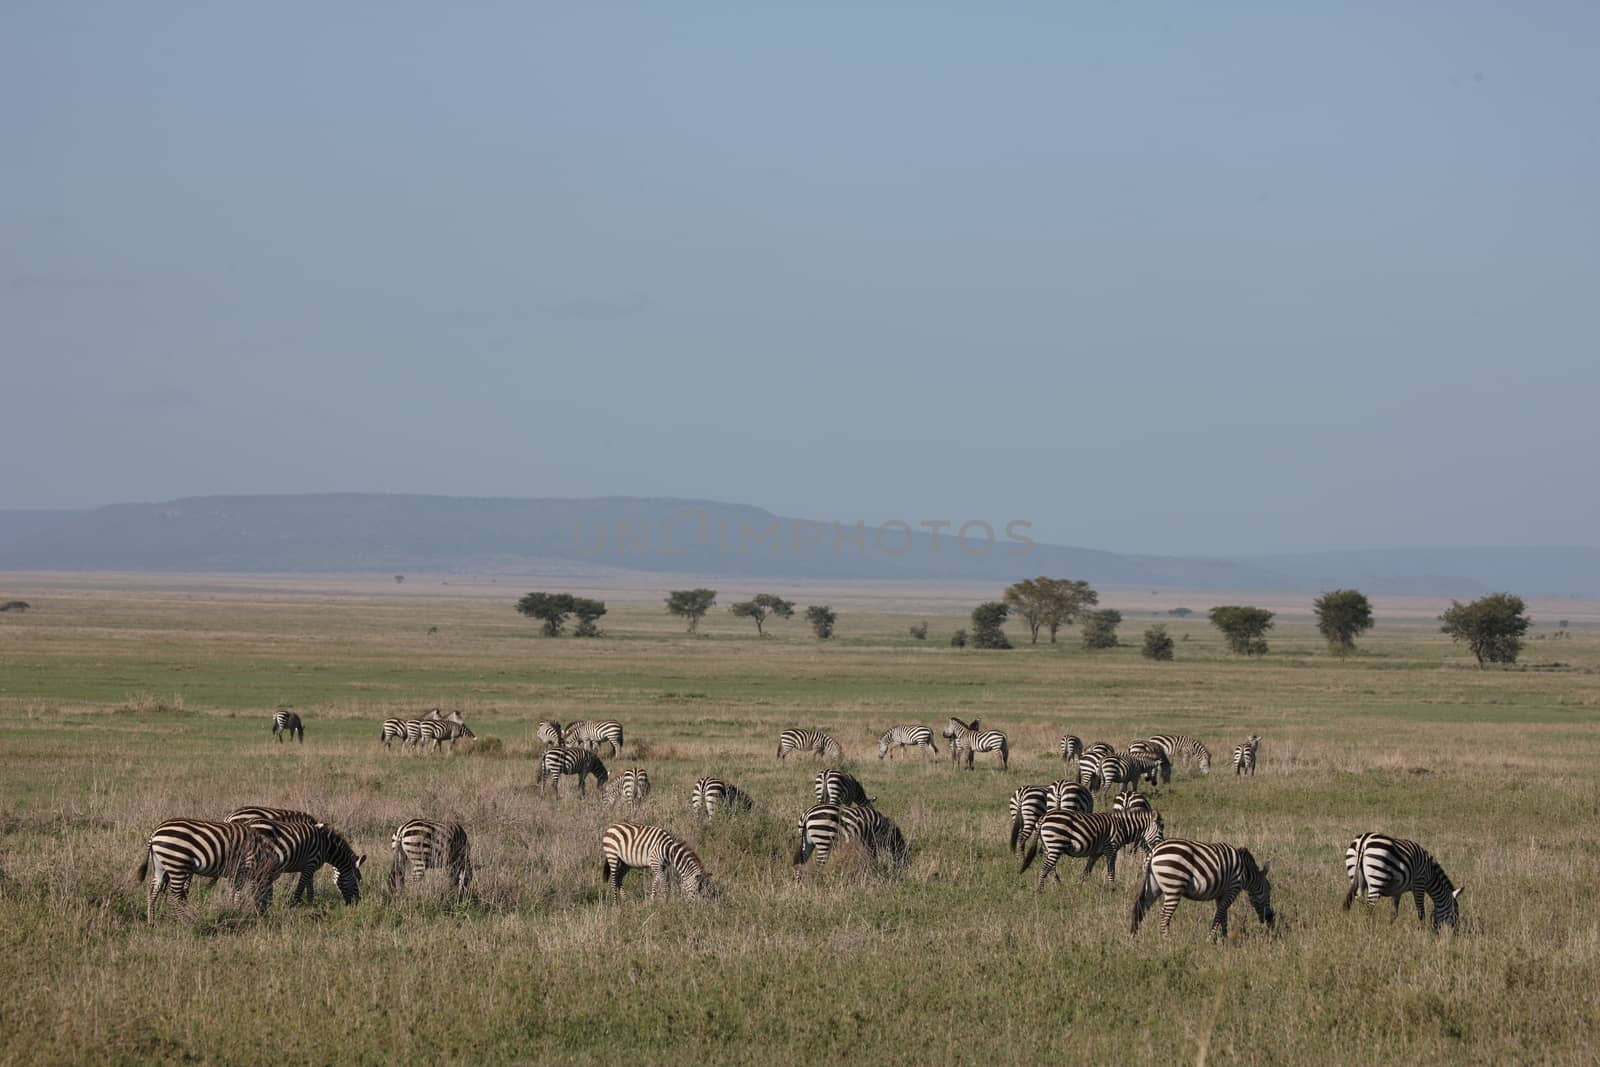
253	846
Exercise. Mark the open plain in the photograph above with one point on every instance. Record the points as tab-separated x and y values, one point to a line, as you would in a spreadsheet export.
125	703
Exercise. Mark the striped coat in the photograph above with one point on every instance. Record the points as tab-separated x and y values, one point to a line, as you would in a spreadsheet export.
548	733
1183	746
903	737
1067	795
180	849
824	826
1244	755
837	787
711	795
1153	762
1089	772
969	739
631	786
1382	866
1131	802
1071	747
1024	809
423	844
592	735
285	723
1178	869
813	741
1096	836
393	730
629	845
303	845
568	762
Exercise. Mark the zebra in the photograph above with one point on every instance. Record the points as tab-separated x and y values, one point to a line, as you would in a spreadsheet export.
1071	746
451	729
179	849
1089	776
1382	866
1100	748
557	763
592	735
1025	808
1067	795
393	730
1183	745
1244	755
969	739
628	845
632	785
823	826
1130	802
285	723
712	794
548	733
1153	761
905	736
1120	769
813	741
1179	869
837	787
1094	835
423	843
303	845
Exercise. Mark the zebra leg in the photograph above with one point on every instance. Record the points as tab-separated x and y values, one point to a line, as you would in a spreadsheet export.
304	890
1224	902
1111	867
1094	858
658	880
178	887
159	880
1169	908
1416	894
1396	913
1049	868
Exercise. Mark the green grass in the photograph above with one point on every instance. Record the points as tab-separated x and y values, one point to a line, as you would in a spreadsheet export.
122	708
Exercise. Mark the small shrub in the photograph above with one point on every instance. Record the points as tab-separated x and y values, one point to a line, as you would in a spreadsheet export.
1100	628
920	630
958	639
1158	644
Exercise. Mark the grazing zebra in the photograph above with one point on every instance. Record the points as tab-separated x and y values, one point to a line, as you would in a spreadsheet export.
1067	795
1153	762
969	739
179	849
285	723
1135	801
1244	755
303	845
837	787
823	826
1071	748
1180	869
1176	745
632	785
904	737
1119	769
423	843
1382	866
1089	772
1095	835
1025	808
629	845
711	795
548	733
593	734
813	741
558	763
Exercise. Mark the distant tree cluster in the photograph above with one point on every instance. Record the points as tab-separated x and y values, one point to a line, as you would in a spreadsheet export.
554	609
1245	628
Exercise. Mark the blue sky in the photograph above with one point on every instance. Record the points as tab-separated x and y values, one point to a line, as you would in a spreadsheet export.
1171	278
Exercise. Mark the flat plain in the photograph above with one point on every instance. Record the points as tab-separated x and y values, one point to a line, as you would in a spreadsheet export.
122	704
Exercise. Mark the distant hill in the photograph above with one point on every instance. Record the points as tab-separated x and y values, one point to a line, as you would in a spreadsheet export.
354	532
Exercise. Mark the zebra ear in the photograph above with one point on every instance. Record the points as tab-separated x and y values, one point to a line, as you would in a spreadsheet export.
1457	892
1266	869
360	860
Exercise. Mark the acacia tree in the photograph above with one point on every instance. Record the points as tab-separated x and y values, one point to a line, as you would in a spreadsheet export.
550	608
761	606
821	617
588	613
1049	603
1342	616
691	604
1244	627
1492	626
987	622
1100	628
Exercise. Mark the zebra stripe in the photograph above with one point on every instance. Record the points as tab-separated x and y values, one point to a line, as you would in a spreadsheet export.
1244	755
837	787
1095	835
393	730
1118	769
1153	761
303	845
824	826
285	723
1089	772
421	844
1067	795
1182	745
632	786
1025	808
593	734
711	795
548	733
1071	747
968	738
558	763
904	737
629	845
180	849
1178	869
1131	802
1382	866
813	741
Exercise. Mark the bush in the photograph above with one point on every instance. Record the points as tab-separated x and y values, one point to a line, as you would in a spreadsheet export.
1158	644
958	639
1100	628
821	617
920	631
987	622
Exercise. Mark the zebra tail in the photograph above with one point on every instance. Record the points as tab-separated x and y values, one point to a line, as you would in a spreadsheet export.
144	867
1358	886
1145	897
1028	856
1016	832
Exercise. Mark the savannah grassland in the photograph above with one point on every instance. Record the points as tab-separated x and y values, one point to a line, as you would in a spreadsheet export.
125	705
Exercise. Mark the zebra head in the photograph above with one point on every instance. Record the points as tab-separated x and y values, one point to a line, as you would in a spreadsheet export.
1205	761
1259	887
338	852
831	750
883	744
697	885
1155	832
1450	914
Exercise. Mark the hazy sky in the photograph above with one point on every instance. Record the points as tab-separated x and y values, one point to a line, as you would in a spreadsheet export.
1182	278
